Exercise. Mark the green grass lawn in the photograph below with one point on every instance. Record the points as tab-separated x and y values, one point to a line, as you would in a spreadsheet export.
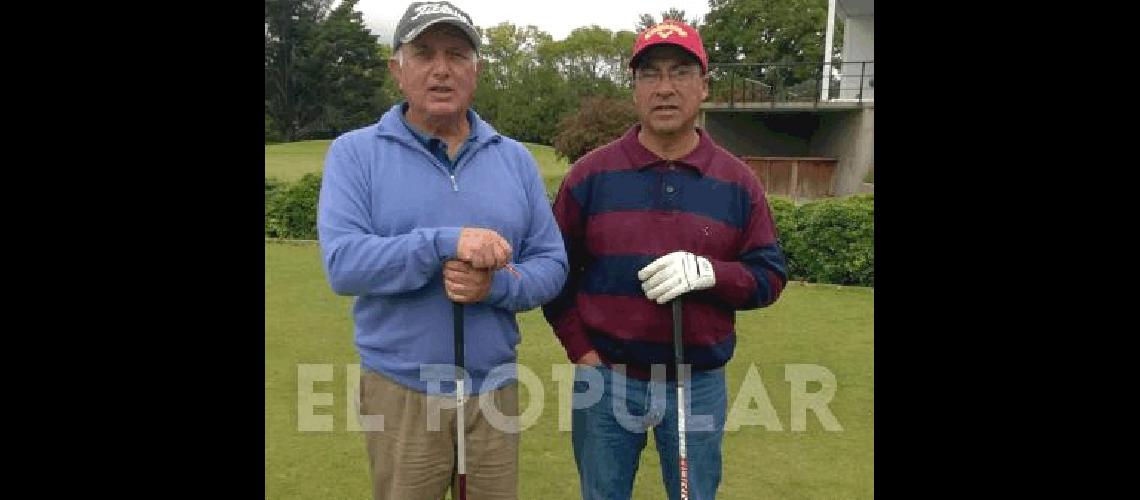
553	168
817	325
289	161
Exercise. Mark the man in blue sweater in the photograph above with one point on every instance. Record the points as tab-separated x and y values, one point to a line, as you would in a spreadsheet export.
429	206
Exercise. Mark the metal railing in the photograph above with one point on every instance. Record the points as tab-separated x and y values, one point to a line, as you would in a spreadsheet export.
744	83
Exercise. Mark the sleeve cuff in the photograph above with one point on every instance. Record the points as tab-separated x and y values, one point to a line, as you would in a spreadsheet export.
447	242
734	284
722	271
500	286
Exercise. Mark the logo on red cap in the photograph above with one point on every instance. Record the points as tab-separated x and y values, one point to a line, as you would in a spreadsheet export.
665	30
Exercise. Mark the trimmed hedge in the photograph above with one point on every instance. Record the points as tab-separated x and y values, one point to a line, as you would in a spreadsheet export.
831	240
291	208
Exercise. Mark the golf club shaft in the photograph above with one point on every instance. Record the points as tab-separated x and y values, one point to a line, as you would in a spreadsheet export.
460	397
679	355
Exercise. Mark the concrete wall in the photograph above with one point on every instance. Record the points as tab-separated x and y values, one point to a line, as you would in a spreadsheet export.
762	134
858	46
848	136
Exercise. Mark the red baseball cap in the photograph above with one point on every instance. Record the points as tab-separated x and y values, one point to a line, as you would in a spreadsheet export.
671	32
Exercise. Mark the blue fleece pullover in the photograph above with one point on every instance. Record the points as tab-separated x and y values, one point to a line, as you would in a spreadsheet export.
389	216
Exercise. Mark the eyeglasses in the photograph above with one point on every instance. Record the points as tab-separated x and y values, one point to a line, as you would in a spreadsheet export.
678	74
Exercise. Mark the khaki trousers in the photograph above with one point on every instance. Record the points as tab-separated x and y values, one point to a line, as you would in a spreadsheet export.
413	458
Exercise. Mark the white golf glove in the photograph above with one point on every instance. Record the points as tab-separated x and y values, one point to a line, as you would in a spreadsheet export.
679	272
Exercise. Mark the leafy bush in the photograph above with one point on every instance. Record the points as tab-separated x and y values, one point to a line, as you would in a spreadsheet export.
291	209
598	121
831	240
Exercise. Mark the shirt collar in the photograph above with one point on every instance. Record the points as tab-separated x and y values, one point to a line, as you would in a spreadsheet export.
641	157
425	138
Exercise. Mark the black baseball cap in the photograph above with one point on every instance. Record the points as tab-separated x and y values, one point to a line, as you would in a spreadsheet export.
421	15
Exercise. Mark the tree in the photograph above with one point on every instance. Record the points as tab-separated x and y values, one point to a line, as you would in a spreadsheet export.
594	59
289	25
598	121
783	33
530	82
323	73
647	20
765	31
353	71
510	50
390	90
517	94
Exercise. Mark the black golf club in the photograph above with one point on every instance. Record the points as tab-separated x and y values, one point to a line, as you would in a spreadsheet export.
679	356
460	452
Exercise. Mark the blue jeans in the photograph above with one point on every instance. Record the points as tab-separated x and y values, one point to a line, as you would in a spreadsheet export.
609	435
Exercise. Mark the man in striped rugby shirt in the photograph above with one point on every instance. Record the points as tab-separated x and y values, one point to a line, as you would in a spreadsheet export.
662	212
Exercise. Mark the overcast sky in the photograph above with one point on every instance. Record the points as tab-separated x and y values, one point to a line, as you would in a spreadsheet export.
556	18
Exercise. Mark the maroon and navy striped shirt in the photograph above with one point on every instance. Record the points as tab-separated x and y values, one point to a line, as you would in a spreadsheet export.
620	208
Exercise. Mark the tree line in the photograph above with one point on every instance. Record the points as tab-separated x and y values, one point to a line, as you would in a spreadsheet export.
325	73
